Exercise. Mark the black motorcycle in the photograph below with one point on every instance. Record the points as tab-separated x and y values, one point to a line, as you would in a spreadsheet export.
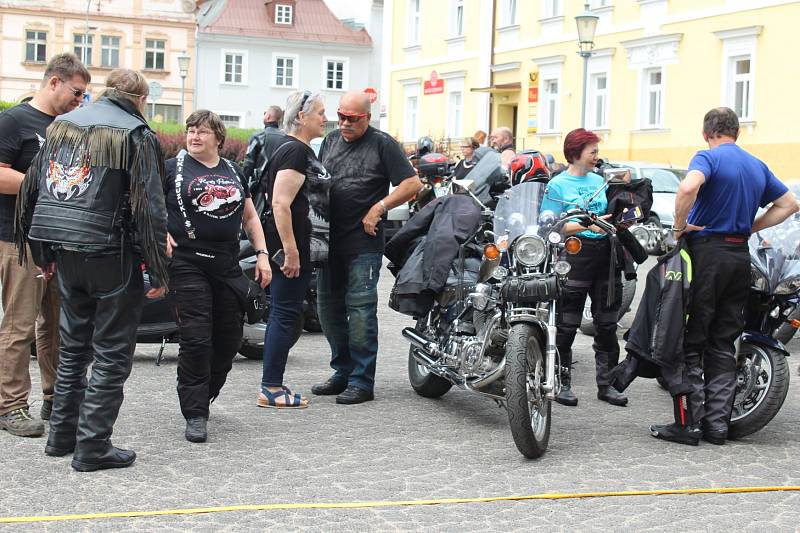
762	370
158	325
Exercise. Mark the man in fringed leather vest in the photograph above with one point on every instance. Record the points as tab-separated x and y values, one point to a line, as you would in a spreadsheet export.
92	206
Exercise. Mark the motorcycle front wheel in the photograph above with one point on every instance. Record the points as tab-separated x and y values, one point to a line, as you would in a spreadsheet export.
422	380
762	382
527	405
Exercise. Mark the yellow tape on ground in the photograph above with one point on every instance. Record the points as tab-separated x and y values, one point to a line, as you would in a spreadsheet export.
406	503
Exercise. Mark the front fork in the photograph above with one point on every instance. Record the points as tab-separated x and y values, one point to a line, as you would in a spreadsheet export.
551	355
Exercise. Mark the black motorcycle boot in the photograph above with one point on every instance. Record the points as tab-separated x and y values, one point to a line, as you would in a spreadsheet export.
196	429
684	430
566	396
610	395
59	444
94	455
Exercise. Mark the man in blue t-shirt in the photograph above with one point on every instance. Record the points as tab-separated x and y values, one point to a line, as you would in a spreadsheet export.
716	210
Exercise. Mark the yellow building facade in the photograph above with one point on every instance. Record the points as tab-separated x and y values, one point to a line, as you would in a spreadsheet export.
457	66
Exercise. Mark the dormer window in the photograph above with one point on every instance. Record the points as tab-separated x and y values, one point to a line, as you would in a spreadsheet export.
283	14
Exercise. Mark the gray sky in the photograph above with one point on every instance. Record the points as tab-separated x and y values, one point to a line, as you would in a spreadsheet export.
344	9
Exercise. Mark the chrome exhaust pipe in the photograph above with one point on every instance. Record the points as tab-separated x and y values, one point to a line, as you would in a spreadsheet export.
420	341
491	377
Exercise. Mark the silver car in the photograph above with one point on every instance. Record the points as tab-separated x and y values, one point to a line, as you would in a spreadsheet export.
666	180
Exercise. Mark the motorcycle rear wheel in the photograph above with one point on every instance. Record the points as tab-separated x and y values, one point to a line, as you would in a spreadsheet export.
422	380
526	403
761	388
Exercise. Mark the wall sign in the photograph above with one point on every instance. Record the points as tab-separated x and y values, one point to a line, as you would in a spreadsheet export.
434	85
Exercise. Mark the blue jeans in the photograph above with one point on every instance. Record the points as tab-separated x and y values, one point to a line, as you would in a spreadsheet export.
286	306
347	300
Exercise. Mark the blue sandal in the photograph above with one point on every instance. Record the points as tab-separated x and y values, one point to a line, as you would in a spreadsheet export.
291	400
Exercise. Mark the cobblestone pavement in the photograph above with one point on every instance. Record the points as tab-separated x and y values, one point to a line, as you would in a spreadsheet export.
402	447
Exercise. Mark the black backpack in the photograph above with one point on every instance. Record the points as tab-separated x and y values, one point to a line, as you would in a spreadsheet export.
622	196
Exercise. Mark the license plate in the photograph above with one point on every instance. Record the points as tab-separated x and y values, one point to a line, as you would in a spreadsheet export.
440	191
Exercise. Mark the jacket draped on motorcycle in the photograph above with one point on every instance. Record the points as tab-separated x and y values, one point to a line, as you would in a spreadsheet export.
96	186
655	340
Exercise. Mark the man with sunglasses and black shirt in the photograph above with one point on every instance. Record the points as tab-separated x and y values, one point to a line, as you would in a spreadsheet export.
28	294
363	162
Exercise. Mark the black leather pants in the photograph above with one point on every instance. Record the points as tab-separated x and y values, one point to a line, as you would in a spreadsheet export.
101	302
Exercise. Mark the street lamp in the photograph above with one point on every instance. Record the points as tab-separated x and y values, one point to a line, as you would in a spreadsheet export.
587	24
85	39
183	67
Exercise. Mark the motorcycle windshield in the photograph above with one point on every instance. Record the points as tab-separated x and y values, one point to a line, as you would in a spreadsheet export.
775	252
484	173
518	212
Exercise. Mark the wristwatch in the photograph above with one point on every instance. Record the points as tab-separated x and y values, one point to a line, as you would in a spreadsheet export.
262	251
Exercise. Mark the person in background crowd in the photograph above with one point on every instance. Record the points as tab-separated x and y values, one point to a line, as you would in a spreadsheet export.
468	147
297	188
26	294
502	140
92	203
590	273
363	161
208	202
480	136
262	144
718	178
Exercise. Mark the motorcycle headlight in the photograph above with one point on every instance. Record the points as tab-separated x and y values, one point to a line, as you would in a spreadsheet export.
788	286
641	234
481	296
530	250
758	280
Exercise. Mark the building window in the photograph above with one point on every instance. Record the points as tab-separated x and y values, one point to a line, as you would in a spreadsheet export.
283	14
550	107
740	86
508	13
412	32
36	46
231	121
454	114
553	8
653	97
233	67
457	20
163	113
410	113
109	51
334	74
597	112
284	71
154	50
79	40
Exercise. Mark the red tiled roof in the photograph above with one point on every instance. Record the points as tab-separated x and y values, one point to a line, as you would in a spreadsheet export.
313	21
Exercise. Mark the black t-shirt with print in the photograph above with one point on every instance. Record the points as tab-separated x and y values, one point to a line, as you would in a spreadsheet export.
309	207
213	200
362	171
22	132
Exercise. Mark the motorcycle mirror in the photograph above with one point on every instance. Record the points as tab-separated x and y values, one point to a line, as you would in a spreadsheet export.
464	184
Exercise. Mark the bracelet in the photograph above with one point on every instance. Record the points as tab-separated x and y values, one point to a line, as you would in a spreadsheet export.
679	229
383	205
262	251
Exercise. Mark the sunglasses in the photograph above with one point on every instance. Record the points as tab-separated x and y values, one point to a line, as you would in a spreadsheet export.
75	92
352	119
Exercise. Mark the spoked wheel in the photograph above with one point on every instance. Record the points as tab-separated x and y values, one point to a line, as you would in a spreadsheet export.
422	380
762	382
528	407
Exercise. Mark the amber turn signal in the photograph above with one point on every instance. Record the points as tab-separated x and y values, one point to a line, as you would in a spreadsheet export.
795	323
490	251
573	245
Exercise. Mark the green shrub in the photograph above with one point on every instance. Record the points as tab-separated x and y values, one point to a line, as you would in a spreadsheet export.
240	134
171	144
6	105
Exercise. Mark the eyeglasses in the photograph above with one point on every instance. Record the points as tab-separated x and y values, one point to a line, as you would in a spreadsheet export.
198	133
75	92
352	119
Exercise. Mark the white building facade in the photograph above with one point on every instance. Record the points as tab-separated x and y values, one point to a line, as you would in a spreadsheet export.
252	54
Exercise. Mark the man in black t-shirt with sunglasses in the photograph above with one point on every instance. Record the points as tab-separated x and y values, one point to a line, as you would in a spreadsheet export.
27	293
363	162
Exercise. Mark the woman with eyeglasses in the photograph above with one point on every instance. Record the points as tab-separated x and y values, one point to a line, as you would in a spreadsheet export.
468	147
208	202
297	192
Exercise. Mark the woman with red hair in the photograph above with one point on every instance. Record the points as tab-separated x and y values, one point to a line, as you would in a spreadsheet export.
590	269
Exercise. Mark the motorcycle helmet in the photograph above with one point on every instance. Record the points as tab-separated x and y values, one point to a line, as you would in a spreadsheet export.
424	146
529	166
